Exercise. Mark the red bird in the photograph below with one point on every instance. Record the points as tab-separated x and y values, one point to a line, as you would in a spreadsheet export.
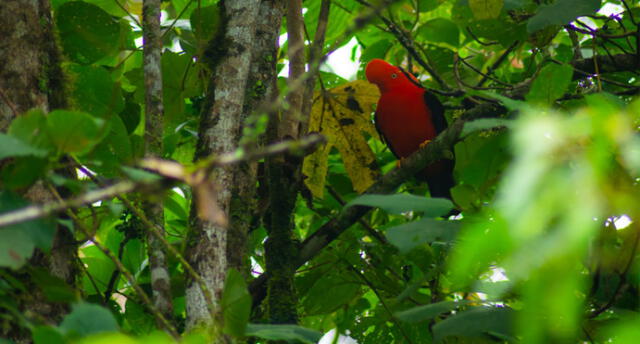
407	117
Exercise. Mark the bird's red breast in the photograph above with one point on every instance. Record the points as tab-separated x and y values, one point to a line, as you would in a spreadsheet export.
402	116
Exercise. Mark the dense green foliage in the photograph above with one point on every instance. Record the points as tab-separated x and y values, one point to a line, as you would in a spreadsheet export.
545	249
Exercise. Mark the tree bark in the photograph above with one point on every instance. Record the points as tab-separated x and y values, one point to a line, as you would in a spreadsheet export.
154	127
31	77
284	180
220	131
262	85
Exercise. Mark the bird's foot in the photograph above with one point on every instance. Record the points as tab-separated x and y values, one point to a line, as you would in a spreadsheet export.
399	162
426	142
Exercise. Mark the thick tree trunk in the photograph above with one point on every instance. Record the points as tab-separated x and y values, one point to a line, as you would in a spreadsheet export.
31	77
220	131
262	85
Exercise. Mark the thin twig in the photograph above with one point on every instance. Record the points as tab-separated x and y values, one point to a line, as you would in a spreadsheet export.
118	263
372	231
381	299
497	64
169	169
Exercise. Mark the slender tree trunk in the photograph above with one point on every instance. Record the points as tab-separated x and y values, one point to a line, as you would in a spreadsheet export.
154	124
220	131
283	177
31	77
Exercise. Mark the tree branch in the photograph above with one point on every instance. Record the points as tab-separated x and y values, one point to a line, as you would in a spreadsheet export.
432	152
168	169
608	64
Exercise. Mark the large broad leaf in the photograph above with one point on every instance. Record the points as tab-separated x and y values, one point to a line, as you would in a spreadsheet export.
74	132
400	203
54	288
47	335
31	127
87	33
12	147
481	322
179	81
86	319
551	84
18	241
486	9
412	234
562	12
94	92
332	291
440	30
428	312
343	114
236	304
113	151
205	22
283	332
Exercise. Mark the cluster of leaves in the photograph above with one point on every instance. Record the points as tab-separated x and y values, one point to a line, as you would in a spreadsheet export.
540	253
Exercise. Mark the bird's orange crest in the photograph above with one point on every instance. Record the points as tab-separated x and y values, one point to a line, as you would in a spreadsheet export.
387	76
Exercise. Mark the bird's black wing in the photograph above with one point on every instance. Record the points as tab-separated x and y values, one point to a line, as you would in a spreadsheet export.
437	111
382	137
433	104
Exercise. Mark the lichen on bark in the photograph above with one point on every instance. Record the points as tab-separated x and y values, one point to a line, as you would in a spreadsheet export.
220	132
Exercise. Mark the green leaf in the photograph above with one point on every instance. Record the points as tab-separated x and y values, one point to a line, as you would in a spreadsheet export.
18	241
511	104
205	22
87	318
140	176
561	12
428	5
283	332
47	335
31	128
54	288
376	50
476	323
400	203
330	292
410	235
12	147
428	312
440	30
21	172
550	84
236	304
139	320
178	82
486	9
87	33
99	267
112	152
485	124
95	92
74	132
15	247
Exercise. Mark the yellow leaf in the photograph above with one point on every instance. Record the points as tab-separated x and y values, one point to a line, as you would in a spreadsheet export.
343	115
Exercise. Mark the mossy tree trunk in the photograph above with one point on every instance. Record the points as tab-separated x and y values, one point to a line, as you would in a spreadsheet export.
31	77
220	132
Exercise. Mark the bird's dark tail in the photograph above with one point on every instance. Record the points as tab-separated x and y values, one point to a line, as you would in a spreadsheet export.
439	178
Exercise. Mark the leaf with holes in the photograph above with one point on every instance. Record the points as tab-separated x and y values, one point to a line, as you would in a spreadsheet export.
343	115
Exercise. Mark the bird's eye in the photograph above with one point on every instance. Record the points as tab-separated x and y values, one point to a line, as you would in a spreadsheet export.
394	75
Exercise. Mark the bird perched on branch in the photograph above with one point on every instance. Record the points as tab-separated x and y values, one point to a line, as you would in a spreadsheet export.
408	117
